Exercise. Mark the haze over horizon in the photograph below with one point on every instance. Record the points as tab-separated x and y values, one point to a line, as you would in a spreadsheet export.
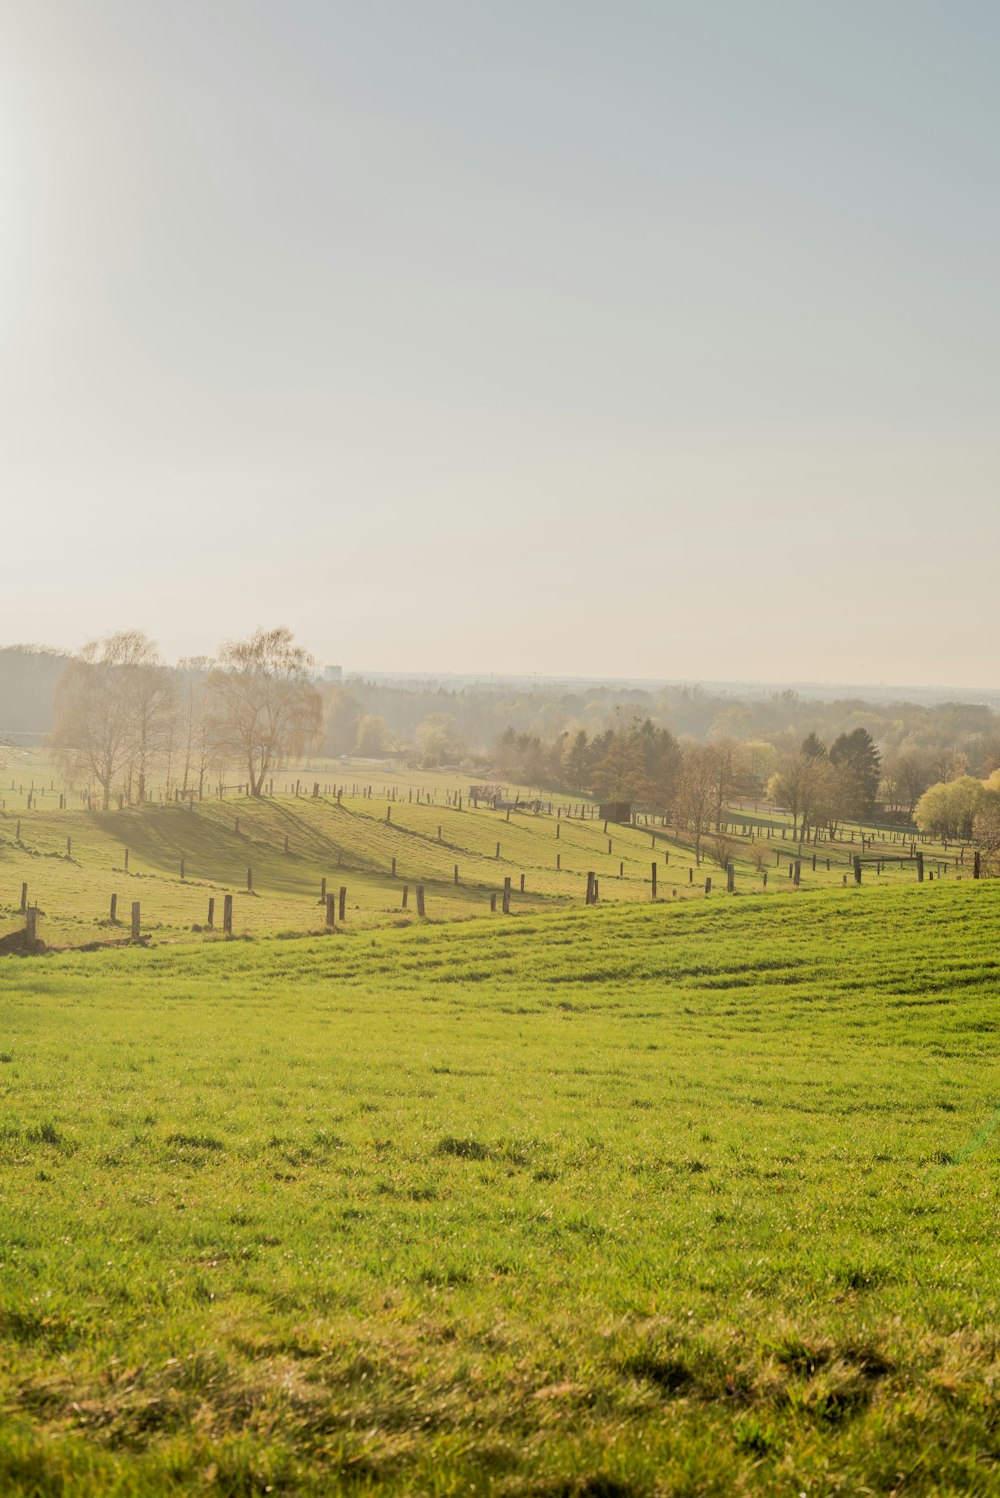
655	340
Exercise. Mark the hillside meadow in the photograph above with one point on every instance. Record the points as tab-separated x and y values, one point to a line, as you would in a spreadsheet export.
693	1198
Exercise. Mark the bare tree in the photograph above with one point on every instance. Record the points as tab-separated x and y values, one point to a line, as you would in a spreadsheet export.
197	747
695	800
723	850
263	706
110	705
151	697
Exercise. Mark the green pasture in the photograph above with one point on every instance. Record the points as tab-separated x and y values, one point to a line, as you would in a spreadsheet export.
180	857
690	1198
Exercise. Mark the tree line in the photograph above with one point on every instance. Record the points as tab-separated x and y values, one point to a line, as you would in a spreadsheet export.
122	715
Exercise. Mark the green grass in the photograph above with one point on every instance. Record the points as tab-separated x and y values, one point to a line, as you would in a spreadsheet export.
689	1199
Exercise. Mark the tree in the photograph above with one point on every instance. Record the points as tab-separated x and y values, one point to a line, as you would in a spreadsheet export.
694	802
856	757
114	709
437	739
193	675
151	696
949	808
813	747
262	706
341	717
576	762
986	825
755	763
905	777
373	738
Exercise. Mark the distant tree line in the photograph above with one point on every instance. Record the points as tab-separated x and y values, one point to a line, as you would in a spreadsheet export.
119	716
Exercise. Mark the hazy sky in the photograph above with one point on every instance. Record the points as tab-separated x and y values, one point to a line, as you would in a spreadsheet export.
632	338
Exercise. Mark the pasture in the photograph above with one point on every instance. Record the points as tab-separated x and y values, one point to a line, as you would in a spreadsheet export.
685	1198
376	833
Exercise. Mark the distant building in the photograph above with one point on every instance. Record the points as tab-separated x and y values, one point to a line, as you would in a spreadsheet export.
332	673
616	811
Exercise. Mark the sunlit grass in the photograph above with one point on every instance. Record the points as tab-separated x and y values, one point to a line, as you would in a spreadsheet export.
639	1200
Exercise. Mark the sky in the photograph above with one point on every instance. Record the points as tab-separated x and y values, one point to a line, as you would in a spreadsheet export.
646	338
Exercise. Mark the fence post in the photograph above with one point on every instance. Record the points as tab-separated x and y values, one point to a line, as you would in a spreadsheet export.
798	871
331	901
920	868
456	873
653	866
227	915
493	903
210	923
24	898
857	869
406	895
249	881
730	877
976	865
420	899
135	920
31	925
708	885
343	901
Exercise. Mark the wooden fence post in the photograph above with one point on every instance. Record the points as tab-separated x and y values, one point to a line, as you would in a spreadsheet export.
456	873
331	902
406	895
920	868
522	884
420	899
976	865
493	903
126	860
24	898
135	920
798	871
653	866
31	926
113	917
227	915
249	881
210	923
343	902
506	896
708	885
730	877
857	869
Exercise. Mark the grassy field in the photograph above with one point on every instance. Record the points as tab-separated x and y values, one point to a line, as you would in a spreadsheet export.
692	1198
73	861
